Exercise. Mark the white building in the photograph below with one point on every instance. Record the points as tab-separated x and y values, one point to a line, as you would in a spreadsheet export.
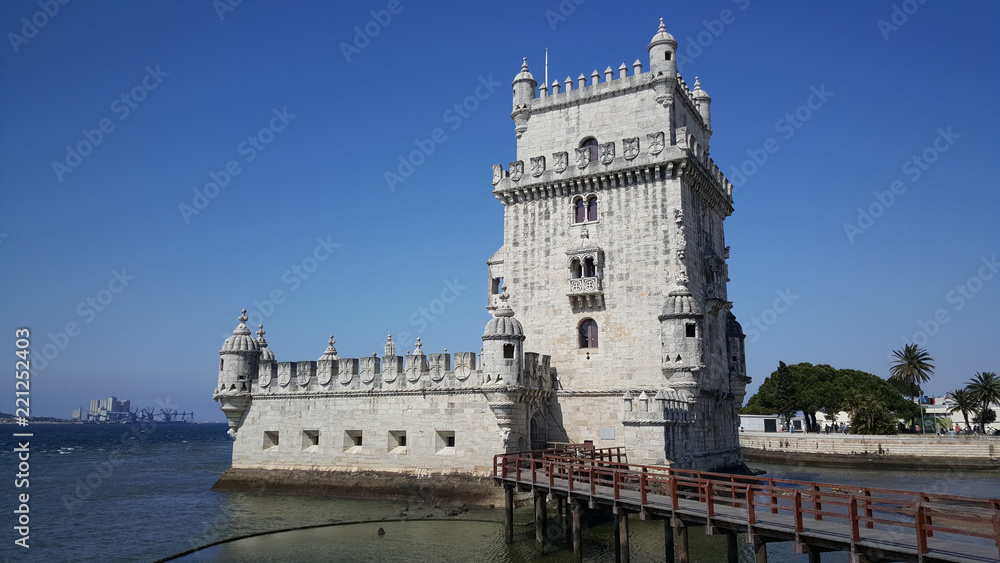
614	326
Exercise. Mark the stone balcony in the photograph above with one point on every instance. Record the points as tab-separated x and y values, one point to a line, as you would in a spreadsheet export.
586	293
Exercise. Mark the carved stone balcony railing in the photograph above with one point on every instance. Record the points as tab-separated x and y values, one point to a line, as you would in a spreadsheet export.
586	293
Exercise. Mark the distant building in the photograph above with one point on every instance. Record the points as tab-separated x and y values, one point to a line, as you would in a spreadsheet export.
104	410
769	423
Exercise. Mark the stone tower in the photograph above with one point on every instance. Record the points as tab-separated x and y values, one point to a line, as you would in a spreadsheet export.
615	255
238	367
502	342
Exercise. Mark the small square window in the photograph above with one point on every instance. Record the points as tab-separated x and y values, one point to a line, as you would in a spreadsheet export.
352	441
690	329
270	440
397	441
310	440
508	351
445	442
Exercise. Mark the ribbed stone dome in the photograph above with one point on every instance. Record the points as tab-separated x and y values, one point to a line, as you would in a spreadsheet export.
680	303
266	355
503	324
662	36
331	352
698	93
241	340
524	74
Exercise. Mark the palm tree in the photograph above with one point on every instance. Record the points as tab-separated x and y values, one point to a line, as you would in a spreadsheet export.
985	390
911	366
963	402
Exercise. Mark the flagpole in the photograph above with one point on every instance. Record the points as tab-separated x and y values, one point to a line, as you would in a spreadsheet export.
546	67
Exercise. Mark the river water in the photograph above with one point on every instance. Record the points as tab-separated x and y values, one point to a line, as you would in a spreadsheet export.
142	493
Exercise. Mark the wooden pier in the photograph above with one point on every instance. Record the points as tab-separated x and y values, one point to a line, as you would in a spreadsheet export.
870	524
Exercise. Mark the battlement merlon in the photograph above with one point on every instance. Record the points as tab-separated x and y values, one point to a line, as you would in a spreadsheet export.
659	94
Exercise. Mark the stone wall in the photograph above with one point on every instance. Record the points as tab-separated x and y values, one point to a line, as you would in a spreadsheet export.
321	432
943	452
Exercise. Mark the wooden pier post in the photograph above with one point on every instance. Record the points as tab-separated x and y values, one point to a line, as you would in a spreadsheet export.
540	517
759	548
814	556
668	541
681	537
508	500
732	548
621	537
577	508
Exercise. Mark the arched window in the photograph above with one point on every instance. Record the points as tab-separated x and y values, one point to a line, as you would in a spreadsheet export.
590	143
575	271
589	271
592	208
588	334
579	211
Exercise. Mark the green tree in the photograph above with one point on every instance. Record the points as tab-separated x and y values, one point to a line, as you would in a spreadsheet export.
985	389
785	395
963	402
869	415
811	388
911	366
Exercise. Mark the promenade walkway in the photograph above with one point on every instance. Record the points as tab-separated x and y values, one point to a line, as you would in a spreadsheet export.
871	524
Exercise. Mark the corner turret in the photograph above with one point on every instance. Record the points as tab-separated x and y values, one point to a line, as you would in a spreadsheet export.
682	326
524	91
503	342
704	102
238	367
663	54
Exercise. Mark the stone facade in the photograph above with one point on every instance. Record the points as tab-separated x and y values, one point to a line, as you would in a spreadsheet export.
614	261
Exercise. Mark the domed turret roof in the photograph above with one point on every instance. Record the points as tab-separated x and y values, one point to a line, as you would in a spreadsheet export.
698	93
524	74
680	302
331	352
241	340
503	324
662	36
266	355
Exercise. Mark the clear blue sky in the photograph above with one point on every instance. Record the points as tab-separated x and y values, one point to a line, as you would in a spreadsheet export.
197	85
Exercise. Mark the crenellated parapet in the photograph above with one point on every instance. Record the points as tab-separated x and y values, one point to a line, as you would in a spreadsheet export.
657	408
414	372
644	157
